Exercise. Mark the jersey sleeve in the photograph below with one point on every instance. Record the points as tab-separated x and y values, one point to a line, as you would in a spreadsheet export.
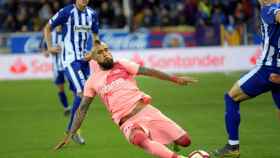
88	89
268	13
59	18
131	67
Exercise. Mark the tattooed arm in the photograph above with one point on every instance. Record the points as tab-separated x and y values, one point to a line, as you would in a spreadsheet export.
77	122
182	80
80	114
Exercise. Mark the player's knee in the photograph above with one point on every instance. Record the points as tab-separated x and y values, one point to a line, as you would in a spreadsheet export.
138	138
60	88
231	96
237	94
184	141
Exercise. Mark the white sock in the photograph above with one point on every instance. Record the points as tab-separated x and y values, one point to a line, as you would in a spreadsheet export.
233	142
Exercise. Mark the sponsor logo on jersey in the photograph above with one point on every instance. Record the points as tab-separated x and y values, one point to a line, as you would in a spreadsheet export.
81	28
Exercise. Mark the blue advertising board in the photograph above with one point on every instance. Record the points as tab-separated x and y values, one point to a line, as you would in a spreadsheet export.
30	43
25	43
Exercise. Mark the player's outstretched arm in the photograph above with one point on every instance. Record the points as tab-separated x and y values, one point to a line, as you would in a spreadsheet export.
78	120
277	17
80	114
181	80
48	36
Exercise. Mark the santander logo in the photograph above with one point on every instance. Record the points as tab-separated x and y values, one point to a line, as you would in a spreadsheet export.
256	55
178	61
18	67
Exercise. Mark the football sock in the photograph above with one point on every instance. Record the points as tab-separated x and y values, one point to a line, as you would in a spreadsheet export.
158	149
63	99
140	139
75	106
233	142
232	119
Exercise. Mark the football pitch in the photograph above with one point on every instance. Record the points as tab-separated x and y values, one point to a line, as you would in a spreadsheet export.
32	120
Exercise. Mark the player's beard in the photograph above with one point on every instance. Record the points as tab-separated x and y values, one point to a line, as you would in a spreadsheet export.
107	64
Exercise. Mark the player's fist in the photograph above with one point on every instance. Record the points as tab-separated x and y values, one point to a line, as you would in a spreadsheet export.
88	56
184	80
54	50
46	54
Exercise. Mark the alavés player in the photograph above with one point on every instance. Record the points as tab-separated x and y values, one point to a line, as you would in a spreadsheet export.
57	67
78	22
263	78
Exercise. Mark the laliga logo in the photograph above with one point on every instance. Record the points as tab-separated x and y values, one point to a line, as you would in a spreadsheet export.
18	67
32	45
256	55
129	41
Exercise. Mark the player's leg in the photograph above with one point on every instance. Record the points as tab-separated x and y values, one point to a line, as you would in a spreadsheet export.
78	73
139	138
77	78
232	115
59	81
250	85
63	99
183	141
232	121
154	133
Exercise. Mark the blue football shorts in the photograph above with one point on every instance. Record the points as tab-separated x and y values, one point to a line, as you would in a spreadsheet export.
256	82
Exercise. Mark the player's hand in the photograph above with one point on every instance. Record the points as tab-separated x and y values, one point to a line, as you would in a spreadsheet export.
88	56
54	50
275	78
46	54
63	142
184	80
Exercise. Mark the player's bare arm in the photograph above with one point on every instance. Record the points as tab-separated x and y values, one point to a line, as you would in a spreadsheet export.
78	120
277	17
81	114
181	80
95	43
47	35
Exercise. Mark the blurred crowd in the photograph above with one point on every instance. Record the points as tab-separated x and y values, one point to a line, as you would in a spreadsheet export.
31	15
149	13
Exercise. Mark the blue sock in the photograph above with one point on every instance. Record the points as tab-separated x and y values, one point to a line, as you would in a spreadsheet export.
232	117
75	106
63	99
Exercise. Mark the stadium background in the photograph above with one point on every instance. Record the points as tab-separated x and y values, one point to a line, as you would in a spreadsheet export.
217	37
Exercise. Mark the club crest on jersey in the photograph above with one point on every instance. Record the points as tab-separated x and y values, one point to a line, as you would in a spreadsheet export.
81	28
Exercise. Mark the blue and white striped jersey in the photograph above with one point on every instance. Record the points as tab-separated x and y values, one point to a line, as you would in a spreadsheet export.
56	58
270	36
76	28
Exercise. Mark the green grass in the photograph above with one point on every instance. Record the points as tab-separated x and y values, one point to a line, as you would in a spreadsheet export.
32	120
